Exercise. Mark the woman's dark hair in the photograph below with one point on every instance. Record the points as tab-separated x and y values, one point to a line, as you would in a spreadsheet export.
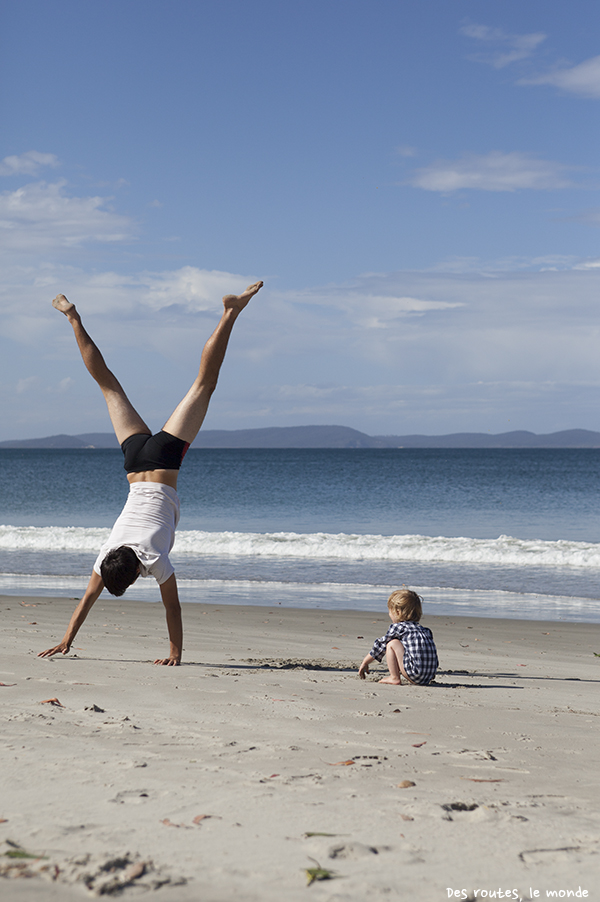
119	569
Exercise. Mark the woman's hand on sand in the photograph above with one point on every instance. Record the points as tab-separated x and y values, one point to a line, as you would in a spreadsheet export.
62	648
169	662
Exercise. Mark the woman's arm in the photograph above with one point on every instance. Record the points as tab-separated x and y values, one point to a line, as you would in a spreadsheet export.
92	593
170	597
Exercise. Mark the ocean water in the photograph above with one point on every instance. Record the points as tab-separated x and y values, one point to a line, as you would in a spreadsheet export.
489	532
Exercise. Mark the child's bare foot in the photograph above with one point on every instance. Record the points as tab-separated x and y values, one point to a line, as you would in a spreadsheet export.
62	304
391	681
239	301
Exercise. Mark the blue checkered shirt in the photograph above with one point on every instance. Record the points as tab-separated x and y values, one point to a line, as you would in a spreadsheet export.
420	654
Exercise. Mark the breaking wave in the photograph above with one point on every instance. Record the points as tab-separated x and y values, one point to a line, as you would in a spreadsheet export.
505	550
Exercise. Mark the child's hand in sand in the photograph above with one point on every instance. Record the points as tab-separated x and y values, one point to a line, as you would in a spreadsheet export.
364	667
62	648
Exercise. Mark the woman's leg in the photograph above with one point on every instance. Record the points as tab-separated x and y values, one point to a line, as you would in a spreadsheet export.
125	419
188	416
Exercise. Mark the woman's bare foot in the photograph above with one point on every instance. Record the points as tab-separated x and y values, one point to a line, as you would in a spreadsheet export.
62	304
239	301
391	681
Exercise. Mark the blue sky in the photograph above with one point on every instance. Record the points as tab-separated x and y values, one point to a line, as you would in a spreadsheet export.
416	182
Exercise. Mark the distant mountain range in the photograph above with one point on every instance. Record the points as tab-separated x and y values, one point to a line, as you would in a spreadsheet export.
334	437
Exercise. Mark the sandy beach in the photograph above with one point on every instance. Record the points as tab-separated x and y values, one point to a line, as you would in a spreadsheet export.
264	756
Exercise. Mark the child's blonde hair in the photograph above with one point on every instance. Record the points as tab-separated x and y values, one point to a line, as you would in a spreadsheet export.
404	604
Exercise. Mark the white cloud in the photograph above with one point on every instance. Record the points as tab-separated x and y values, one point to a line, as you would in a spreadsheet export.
583	79
63	386
39	217
392	352
495	171
588	264
368	310
196	289
28	163
490	268
515	47
25	384
401	407
135	300
590	217
406	150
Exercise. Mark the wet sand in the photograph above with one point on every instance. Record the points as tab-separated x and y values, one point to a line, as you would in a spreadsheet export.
264	755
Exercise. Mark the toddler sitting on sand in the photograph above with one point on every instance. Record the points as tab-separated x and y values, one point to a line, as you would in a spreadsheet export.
408	647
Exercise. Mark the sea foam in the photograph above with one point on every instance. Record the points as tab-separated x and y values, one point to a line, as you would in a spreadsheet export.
505	550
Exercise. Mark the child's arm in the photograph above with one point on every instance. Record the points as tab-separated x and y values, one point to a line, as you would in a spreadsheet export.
376	654
364	667
170	597
92	593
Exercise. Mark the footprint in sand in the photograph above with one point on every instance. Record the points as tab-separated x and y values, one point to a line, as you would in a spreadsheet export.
354	850
131	796
571	854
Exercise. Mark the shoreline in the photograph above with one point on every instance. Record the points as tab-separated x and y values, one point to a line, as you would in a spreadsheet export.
229	770
332	596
